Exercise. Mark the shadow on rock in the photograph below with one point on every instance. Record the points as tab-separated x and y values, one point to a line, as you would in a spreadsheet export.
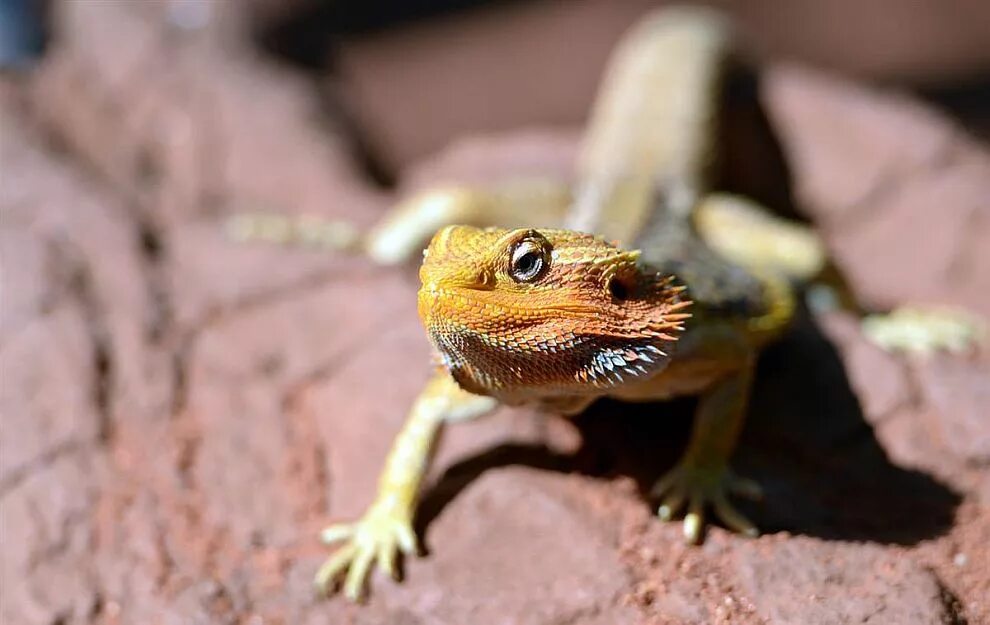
824	472
806	441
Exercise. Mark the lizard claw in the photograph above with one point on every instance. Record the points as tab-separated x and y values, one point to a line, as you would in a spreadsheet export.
697	487
378	536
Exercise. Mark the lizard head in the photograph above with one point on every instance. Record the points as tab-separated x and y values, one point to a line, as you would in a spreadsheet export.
530	314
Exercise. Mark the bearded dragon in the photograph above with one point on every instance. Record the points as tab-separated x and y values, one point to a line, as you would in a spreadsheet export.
674	293
637	283
660	301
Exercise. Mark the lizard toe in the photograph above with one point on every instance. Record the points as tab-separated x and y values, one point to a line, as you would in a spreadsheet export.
700	488
376	538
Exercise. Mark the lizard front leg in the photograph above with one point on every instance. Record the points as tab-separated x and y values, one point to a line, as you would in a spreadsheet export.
386	527
703	476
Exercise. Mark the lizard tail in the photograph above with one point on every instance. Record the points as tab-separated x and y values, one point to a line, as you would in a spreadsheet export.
652	128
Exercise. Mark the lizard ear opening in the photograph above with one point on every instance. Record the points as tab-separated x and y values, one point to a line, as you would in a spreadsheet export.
618	288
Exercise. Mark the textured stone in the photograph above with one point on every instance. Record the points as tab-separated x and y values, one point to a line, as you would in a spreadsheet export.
867	167
959	392
543	562
187	122
797	581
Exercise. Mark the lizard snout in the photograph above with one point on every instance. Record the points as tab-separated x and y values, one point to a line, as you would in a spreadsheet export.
452	261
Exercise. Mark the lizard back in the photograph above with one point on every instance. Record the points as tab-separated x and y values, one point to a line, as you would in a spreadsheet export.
648	153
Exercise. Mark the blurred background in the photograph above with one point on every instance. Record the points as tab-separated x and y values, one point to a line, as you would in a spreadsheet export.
181	413
413	75
500	65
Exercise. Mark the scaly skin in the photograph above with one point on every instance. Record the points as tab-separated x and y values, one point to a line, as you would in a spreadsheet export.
557	318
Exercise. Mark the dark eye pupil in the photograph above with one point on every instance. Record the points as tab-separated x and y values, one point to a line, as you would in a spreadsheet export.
527	262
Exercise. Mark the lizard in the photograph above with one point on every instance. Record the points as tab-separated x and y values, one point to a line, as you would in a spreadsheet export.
643	309
638	283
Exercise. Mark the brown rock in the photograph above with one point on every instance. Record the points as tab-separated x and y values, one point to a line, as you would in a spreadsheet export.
415	88
284	347
191	121
35	286
958	390
516	547
56	394
918	166
794	580
211	276
879	378
906	234
48	572
871	168
484	160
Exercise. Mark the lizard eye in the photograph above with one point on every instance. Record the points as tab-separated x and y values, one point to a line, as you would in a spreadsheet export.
530	259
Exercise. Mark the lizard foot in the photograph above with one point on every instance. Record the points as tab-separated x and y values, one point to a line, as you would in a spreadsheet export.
379	535
697	487
925	331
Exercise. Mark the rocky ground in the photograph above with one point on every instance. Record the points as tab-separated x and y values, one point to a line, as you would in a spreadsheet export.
182	413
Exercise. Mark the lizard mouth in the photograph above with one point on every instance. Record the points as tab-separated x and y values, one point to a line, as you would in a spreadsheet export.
532	350
541	368
463	297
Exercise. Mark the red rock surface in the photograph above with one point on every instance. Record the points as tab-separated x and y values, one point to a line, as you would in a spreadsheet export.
182	413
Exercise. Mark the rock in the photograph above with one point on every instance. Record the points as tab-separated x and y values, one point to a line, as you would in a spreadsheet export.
867	167
415	88
959	392
192	127
515	547
490	159
794	580
879	378
59	387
